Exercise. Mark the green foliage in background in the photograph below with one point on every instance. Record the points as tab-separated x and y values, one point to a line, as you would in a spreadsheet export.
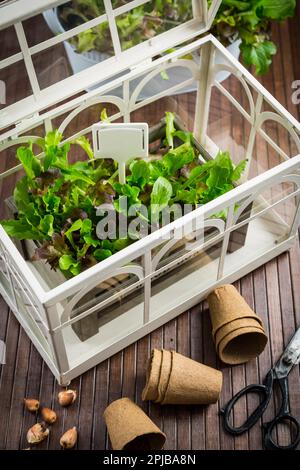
248	20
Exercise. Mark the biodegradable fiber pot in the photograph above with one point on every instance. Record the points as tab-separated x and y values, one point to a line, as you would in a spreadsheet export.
150	391
238	332
192	383
164	376
246	322
129	428
180	380
241	345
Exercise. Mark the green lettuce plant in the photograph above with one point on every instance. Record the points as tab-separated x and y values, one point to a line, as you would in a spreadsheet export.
135	26
57	200
250	21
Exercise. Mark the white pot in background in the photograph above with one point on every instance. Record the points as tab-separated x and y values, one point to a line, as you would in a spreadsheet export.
85	60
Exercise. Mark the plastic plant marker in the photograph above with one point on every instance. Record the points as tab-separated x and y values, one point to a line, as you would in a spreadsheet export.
121	142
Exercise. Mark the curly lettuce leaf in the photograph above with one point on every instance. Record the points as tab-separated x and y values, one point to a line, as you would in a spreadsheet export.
277	9
30	163
21	229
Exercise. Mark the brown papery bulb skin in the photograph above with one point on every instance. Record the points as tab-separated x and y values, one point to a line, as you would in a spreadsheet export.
37	433
69	438
49	415
67	397
31	404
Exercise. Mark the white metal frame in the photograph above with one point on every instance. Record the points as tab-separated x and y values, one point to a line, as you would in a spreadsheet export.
46	314
121	61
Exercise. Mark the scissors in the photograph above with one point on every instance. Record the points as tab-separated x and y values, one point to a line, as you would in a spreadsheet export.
278	374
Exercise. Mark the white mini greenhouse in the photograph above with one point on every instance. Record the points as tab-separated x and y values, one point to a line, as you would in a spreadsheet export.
79	322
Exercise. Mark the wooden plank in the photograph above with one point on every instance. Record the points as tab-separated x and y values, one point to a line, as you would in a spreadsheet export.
142	354
129	373
265	359
251	369
58	428
197	347
288	328
100	403
85	418
49	400
115	380
240	411
71	413
169	411
184	412
275	325
7	377
32	391
15	418
212	418
155	411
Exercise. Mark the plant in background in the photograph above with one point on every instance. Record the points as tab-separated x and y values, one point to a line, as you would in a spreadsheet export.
57	201
250	21
247	20
135	26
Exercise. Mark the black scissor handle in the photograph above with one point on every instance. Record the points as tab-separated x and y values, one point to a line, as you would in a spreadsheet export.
270	443
264	390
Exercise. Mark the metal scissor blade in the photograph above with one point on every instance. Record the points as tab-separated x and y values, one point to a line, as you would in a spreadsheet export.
290	357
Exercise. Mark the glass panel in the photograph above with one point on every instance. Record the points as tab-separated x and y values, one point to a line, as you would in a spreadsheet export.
183	282
120	293
147	21
78	52
37	30
15	85
171	81
262	233
185	249
86	118
285	210
29	311
51	66
227	127
183	105
9	38
235	87
281	137
104	326
265	157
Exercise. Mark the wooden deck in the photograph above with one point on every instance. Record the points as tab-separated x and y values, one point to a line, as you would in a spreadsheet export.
273	291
